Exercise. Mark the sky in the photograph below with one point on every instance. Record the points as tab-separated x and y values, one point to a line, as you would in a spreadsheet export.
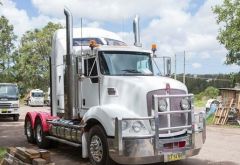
174	25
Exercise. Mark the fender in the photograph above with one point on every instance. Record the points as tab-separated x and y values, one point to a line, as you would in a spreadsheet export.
44	116
32	116
106	115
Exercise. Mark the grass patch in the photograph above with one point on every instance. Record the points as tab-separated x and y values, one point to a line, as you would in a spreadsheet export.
199	103
3	151
209	120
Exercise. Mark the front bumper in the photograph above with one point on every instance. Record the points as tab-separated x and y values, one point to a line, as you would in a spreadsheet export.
142	151
37	103
152	148
9	111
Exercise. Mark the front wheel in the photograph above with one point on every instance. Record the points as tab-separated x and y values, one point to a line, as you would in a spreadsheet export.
16	117
98	147
41	139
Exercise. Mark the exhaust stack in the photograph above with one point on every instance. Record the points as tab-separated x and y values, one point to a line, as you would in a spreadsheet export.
136	31
69	79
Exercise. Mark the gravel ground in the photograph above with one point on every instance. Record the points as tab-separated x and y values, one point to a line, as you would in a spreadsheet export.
222	146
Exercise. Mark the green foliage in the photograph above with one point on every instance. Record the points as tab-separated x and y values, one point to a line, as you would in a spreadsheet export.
211	92
209	120
202	97
199	83
32	58
228	16
2	152
7	38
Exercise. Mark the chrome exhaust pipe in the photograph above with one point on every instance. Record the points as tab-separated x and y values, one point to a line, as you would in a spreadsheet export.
136	31
69	77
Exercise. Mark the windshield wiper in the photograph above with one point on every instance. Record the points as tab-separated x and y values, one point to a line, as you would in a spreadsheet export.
131	71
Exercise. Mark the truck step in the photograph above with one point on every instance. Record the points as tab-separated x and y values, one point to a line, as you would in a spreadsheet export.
64	141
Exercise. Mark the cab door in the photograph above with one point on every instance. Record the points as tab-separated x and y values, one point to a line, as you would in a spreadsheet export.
90	84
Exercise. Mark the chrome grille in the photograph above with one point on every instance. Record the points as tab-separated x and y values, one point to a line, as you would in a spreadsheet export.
5	105
176	119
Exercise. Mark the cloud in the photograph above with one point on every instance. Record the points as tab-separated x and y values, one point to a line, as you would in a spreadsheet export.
173	25
108	10
21	20
196	65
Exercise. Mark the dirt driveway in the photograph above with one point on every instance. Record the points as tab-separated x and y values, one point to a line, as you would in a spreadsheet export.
222	146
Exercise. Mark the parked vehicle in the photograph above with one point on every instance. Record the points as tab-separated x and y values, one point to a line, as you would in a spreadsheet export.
35	98
106	99
47	100
9	101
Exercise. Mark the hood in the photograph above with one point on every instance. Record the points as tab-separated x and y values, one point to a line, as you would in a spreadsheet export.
131	91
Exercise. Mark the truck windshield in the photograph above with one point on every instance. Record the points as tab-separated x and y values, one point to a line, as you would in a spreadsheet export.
125	63
8	91
37	94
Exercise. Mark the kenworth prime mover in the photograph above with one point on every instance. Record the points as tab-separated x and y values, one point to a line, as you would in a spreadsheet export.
106	100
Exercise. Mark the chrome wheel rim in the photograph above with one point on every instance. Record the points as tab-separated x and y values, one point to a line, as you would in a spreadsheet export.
96	148
28	128
39	133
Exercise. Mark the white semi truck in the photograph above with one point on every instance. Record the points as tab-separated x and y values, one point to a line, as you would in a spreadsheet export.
106	100
9	101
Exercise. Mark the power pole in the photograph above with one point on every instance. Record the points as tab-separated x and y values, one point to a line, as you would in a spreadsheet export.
184	66
175	66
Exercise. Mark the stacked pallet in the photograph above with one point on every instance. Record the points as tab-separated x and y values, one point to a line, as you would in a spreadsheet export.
24	156
221	115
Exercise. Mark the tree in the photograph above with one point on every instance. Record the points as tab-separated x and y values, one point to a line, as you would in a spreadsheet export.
7	39
32	66
228	16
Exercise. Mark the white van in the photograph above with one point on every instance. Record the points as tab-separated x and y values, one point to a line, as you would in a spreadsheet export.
36	98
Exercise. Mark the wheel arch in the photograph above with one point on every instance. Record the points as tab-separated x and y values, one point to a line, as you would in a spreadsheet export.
32	117
43	116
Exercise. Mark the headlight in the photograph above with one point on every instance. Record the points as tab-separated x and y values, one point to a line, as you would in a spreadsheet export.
137	126
185	104
125	125
162	105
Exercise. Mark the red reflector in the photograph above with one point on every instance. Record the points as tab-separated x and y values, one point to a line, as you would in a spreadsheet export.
168	145
181	144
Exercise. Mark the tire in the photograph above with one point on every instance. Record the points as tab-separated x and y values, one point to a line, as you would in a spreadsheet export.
29	130
16	117
98	136
41	139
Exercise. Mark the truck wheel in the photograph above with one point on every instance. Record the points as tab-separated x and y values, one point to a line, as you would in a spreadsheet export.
98	147
16	117
41	139
28	130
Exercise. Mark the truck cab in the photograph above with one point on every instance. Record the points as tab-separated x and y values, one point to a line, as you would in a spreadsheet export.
107	100
35	98
9	101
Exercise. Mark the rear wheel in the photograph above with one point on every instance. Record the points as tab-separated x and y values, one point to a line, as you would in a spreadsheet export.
29	130
98	147
41	139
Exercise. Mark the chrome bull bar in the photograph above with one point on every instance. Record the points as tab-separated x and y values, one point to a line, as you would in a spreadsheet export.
118	141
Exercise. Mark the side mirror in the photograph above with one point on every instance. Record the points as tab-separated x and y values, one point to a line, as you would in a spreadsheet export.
168	61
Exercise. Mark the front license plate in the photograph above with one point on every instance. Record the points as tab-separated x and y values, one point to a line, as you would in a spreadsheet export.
173	157
4	110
